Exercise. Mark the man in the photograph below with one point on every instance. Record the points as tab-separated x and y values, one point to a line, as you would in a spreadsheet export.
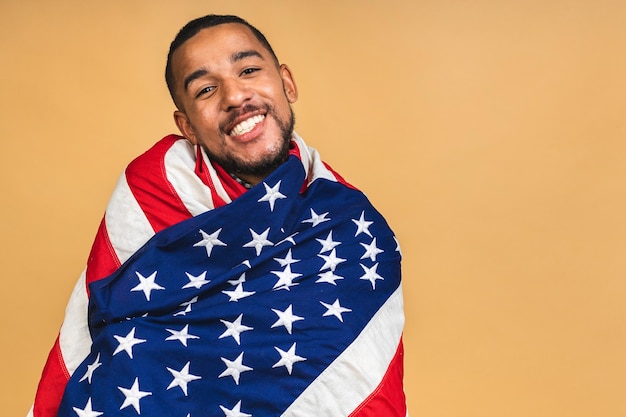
234	273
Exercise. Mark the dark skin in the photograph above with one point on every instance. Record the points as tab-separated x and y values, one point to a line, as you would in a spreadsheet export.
235	100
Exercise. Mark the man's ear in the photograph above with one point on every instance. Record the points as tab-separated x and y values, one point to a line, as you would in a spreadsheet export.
182	121
289	84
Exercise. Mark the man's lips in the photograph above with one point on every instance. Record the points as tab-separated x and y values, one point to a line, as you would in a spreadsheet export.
246	125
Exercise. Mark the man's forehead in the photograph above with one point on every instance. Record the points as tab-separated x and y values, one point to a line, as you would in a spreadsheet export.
218	39
213	47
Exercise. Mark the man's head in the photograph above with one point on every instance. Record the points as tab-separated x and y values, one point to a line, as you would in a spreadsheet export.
192	28
232	96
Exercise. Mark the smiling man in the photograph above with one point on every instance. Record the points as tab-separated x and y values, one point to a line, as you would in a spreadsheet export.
234	272
233	99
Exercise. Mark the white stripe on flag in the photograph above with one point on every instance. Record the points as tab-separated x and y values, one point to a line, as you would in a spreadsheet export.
215	179
179	168
331	394
74	337
312	162
123	214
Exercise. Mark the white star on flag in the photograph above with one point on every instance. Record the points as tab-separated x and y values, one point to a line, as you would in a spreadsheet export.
288	358
87	411
331	261
316	218
240	280
181	335
210	240
258	241
91	368
147	284
234	368
196	281
272	194
235	411
182	378
133	395
127	342
287	260
335	309
328	277
371	250
362	225
234	329
187	305
371	275
289	239
285	278
286	318
398	249
238	293
328	243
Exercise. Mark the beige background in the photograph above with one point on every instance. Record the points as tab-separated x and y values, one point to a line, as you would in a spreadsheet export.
490	133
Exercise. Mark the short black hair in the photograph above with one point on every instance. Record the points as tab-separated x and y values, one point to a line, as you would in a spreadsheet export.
192	28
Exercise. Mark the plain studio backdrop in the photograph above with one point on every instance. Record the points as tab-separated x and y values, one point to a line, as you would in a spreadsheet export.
489	133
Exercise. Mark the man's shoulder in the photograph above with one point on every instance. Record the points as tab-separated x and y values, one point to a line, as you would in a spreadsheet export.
151	171
152	181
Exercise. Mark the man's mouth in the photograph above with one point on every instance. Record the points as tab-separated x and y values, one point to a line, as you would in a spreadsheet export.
247	125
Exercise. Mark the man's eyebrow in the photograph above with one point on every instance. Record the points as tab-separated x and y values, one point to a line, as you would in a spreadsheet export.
194	76
238	56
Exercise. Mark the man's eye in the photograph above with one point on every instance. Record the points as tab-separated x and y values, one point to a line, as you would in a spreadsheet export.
249	71
205	90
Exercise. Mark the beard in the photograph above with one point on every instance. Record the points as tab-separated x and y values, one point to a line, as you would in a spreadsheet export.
263	167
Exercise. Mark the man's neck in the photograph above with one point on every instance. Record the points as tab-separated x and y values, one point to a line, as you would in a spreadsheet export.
244	182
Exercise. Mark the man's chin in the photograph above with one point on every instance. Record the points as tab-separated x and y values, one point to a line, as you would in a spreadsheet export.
260	168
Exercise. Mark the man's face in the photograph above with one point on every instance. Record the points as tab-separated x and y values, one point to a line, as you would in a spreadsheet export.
235	100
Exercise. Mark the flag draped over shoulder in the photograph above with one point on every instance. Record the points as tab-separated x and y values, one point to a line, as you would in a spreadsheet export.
284	301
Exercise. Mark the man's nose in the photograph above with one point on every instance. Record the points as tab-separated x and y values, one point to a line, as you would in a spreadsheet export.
235	93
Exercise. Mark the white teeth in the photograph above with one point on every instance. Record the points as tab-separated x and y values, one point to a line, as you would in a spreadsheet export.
247	125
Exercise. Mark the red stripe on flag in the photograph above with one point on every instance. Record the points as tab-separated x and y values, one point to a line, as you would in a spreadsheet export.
230	185
52	384
388	399
102	260
148	182
202	171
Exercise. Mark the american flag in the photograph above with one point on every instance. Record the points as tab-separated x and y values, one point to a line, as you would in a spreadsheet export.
286	301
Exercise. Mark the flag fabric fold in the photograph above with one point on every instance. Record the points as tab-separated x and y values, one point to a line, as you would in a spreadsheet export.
286	300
